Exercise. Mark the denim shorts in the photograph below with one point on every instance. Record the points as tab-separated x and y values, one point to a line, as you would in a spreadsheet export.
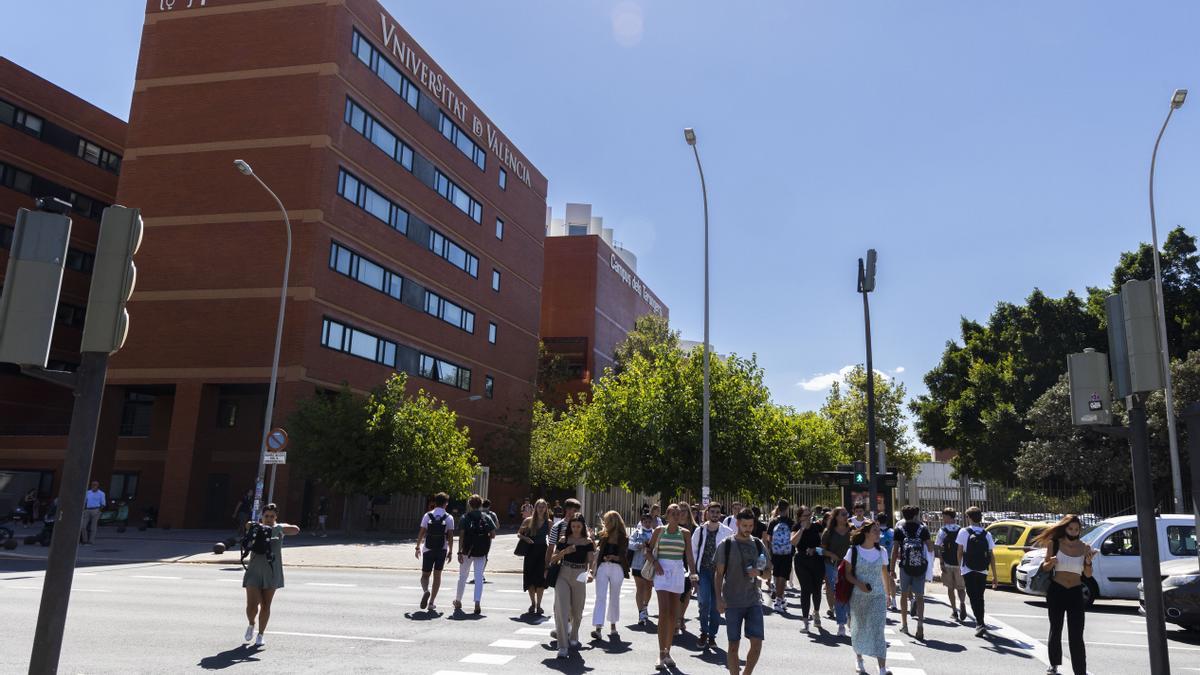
912	584
753	618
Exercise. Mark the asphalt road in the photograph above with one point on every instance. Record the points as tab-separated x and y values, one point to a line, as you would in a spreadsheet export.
168	618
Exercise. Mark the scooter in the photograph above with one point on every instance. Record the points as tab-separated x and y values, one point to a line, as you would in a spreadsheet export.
9	531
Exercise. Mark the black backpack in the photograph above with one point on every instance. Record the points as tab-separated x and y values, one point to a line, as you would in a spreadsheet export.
435	532
478	526
912	551
950	544
976	555
257	540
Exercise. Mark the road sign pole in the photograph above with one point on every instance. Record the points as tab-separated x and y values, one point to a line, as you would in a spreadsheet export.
1143	493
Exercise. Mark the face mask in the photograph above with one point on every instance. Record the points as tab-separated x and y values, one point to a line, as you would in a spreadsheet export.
1072	537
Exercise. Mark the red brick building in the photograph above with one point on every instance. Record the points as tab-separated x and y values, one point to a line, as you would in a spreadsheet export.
52	144
592	295
417	242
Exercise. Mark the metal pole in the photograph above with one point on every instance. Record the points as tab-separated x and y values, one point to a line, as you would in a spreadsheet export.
705	481
262	453
1143	490
1191	417
60	567
872	455
1172	435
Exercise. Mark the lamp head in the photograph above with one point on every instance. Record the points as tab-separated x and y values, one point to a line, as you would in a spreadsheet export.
243	167
689	135
1177	99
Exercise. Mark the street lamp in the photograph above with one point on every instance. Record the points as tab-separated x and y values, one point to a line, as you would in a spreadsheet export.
1176	477
689	135
287	263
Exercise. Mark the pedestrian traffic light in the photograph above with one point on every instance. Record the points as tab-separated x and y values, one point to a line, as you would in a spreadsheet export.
1140	304
859	479
869	273
1087	375
113	277
29	301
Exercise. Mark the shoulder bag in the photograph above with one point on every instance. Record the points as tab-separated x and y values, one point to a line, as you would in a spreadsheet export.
648	570
1040	581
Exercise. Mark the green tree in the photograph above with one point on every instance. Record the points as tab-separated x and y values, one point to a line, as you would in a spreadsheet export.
847	415
388	442
554	448
649	331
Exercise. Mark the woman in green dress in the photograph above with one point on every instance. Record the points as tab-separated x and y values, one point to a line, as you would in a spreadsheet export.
264	572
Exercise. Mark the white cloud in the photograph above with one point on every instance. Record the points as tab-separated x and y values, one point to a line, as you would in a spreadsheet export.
628	23
824	381
898	370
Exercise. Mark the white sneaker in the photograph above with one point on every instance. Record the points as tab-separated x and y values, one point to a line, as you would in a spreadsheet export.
817	620
258	641
563	654
249	633
806	625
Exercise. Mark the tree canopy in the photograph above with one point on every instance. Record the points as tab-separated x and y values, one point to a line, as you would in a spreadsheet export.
847	413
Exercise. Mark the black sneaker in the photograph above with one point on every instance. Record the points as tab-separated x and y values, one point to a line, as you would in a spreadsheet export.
425	600
981	631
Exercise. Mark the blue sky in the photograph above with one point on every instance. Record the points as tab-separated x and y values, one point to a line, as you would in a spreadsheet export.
982	149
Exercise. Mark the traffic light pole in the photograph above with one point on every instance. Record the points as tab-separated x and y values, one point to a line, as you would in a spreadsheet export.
60	567
872	453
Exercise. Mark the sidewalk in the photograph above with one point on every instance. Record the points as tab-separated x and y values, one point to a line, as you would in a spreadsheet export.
387	552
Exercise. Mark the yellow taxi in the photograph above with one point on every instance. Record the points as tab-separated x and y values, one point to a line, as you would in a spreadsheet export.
1013	539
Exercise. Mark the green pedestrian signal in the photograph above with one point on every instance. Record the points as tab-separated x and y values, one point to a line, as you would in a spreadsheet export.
860	478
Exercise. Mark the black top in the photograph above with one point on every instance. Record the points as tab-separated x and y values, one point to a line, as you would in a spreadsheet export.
580	556
759	528
810	539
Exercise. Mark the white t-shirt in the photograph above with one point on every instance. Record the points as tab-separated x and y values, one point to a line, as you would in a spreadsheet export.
437	513
962	541
868	554
857	522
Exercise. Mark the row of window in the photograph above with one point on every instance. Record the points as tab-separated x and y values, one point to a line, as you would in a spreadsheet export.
448	311
458	196
59	137
80	261
350	340
27	183
461	140
390	74
368	199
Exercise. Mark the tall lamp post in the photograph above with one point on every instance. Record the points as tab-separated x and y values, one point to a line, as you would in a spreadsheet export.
1176	476
689	134
287	264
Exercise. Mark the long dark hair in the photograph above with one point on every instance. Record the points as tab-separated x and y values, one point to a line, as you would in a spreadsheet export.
1058	530
577	518
859	537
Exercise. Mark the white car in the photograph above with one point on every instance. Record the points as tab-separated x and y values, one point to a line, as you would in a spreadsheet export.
1117	569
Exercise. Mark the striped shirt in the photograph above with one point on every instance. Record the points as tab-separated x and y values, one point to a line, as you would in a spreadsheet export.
670	546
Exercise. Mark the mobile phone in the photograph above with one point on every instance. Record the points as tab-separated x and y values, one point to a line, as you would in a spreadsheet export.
868	588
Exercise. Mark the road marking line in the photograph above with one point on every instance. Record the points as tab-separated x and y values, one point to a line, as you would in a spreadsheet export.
487	659
907	671
900	656
152	576
24	588
91	590
514	644
1126	632
1018	616
1126	644
896	642
338	637
535	631
314	583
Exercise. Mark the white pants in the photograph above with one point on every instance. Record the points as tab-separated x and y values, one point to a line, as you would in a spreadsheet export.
610	576
463	569
91	518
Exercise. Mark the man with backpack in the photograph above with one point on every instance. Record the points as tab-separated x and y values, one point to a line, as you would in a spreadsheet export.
741	560
475	541
705	541
946	547
778	537
975	553
434	547
909	550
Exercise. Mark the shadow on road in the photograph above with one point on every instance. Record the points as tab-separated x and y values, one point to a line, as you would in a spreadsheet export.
1003	645
230	657
943	646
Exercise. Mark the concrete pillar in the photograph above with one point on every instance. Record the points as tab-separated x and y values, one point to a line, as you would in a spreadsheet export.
181	448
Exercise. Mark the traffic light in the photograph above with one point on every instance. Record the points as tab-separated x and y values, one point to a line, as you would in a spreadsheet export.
869	274
113	277
859	479
1140	305
32	283
1087	374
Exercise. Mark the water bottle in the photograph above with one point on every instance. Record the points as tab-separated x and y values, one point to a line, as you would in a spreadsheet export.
820	551
762	562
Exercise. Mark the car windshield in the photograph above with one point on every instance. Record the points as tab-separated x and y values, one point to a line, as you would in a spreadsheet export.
1091	533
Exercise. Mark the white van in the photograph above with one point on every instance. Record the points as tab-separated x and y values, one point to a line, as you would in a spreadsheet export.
1117	569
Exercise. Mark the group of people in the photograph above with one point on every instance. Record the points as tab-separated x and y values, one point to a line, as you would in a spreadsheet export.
728	561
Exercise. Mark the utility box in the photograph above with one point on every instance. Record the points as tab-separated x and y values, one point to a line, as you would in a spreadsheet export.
1143	343
1091	403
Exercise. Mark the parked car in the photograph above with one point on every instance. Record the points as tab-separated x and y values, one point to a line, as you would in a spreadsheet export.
1181	593
1013	539
1117	570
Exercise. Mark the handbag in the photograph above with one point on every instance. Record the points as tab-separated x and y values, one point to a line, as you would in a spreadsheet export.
844	588
522	548
1040	581
552	575
648	570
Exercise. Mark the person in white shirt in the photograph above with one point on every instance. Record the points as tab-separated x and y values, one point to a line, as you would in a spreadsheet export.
975	553
731	519
435	544
860	515
94	500
704	551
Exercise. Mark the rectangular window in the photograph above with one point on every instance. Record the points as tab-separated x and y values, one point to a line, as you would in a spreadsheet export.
136	415
80	261
123	486
366	272
457	196
387	72
366	198
1181	540
16	179
451	313
28	122
440	370
461	140
491	332
503	179
453	253
227	413
496	280
358	343
489	386
371	129
499	229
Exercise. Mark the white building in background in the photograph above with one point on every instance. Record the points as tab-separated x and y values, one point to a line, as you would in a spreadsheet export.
579	221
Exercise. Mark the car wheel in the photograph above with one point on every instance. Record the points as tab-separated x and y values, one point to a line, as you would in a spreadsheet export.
1090	592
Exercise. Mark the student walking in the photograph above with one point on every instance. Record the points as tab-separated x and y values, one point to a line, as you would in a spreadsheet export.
867	573
475	541
945	546
910	551
322	516
533	531
730	520
610	569
574	553
975	551
643	587
779	537
686	522
94	501
434	548
741	560
670	552
705	541
835	542
264	573
558	529
1069	561
887	537
241	512
810	570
